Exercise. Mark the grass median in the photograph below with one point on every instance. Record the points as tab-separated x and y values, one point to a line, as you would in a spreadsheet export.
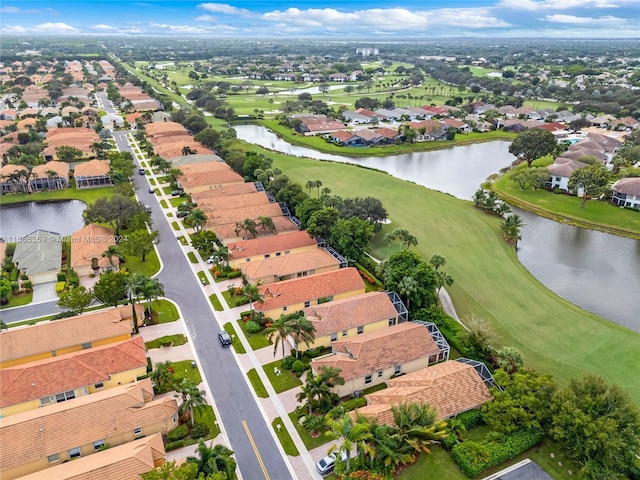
553	335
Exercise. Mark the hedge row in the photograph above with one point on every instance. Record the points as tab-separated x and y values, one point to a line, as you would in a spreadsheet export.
469	419
347	406
465	454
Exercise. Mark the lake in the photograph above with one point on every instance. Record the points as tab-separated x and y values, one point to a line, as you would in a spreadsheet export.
63	217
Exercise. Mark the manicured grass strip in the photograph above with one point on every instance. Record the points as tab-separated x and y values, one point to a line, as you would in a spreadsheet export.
18	300
284	437
149	267
437	464
234	301
283	382
175	225
375	388
167	311
183	369
192	257
175	201
167	190
256	340
206	415
237	344
167	340
553	335
182	239
257	384
203	278
309	441
163	204
87	195
152	181
217	306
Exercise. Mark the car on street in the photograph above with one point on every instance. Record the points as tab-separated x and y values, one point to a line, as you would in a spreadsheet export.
151	190
325	465
225	339
141	171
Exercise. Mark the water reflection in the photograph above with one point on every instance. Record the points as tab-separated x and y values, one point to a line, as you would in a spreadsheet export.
594	270
63	217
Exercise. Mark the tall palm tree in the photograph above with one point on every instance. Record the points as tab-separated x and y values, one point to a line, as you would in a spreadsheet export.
251	293
151	289
302	330
111	252
196	219
309	185
266	224
437	261
407	287
134	283
211	460
312	391
350	434
279	331
318	184
192	397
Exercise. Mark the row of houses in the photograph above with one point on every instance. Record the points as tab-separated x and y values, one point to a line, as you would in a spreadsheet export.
74	389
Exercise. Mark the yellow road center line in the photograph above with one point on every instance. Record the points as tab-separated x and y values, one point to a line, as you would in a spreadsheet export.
255	450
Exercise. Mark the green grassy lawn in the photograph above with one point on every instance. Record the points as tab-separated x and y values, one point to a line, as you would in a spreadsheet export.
283	382
438	464
206	415
257	384
149	267
309	441
175	225
256	340
553	335
320	144
152	181
175	201
163	204
175	340
375	388
217	306
87	195
285	439
183	240
192	257
481	71
203	278
183	369
234	301
237	344
167	190
18	300
167	311
595	214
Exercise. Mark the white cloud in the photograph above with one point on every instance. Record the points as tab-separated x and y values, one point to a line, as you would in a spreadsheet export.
184	29
536	5
50	27
11	29
572	19
206	18
224	8
102	26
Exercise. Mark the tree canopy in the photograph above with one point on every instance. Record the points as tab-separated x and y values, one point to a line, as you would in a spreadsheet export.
533	144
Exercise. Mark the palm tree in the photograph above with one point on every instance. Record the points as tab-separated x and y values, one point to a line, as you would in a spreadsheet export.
151	289
196	219
407	287
211	460
279	331
252	293
161	376
479	197
51	175
266	224
309	185
350	433
437	261
318	184
313	391
192	397
511	229
382	448
302	330
110	252
456	427
416	426
134	282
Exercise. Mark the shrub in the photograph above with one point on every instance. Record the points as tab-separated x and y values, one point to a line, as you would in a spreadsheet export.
199	430
14	287
60	287
62	277
471	419
27	284
252	327
498	453
10	250
287	363
174	445
235	274
23	277
178	433
14	275
349	405
165	342
298	367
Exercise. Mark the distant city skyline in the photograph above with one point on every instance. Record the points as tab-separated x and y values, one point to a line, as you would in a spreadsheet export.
372	19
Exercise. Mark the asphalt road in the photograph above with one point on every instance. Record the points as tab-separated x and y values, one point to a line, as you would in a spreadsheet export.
233	398
26	312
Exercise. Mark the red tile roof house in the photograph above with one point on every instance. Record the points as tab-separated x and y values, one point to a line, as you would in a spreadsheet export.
92	174
626	192
62	378
216	218
11	179
50	176
318	124
376	357
434	130
458	125
450	387
273	245
87	246
294	295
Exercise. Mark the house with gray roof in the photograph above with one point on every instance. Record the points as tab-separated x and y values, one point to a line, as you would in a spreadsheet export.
39	255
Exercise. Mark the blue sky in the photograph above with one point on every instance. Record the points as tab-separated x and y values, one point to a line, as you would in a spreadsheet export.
375	19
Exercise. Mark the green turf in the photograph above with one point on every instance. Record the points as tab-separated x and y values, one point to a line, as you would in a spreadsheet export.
436	465
87	195
595	214
175	225
175	340
149	267
309	441
217	306
175	201
553	335
234	301
192	257
257	384
163	204
167	311
183	369
202	276
256	340
206	415
237	344
18	300
283	382
285	439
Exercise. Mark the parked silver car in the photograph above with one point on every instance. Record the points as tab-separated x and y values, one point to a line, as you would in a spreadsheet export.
325	465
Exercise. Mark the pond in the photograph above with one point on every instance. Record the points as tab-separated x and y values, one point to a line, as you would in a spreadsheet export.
594	270
63	217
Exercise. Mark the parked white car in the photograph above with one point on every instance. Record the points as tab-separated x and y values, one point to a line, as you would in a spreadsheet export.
325	465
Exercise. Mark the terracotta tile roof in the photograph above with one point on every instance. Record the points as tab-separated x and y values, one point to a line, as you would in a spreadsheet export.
379	350
283	225
54	375
79	422
233	215
234	201
203	157
202	167
61	168
346	313
343	135
387	132
429	125
163	128
367	134
45	337
284	265
450	387
221	177
124	462
299	290
226	191
11	168
629	186
270	245
90	242
92	168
